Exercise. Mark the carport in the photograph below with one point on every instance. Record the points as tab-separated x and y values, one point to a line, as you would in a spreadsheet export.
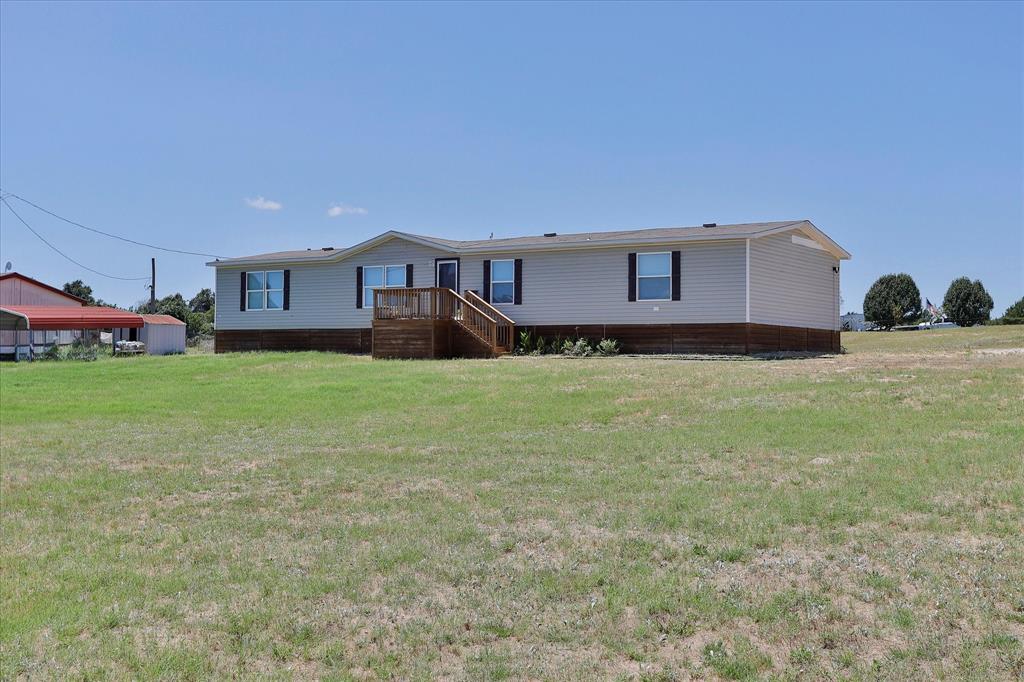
29	318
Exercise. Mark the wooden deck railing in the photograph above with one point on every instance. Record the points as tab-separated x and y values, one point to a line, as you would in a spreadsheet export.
437	303
506	326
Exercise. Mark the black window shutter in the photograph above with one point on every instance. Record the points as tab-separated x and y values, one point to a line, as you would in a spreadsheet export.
242	302
487	281
408	275
359	286
517	297
287	289
632	277
676	257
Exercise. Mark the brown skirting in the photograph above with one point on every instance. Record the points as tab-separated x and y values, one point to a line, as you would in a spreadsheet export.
433	340
412	339
729	338
335	340
425	339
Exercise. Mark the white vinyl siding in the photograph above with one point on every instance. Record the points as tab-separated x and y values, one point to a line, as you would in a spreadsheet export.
584	286
591	286
323	296
793	284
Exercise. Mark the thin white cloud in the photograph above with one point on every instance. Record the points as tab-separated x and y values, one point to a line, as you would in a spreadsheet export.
262	204
337	210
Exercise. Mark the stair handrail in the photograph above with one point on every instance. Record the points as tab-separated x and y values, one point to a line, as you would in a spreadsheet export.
466	303
441	303
476	321
505	318
506	326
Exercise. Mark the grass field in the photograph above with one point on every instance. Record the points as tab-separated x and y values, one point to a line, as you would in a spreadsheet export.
312	515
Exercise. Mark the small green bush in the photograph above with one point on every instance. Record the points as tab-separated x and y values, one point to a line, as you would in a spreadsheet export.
579	348
608	347
531	344
76	351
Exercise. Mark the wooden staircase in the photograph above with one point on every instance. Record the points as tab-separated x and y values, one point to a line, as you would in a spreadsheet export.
434	322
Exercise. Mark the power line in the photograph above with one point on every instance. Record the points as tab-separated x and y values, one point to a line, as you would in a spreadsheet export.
108	234
43	240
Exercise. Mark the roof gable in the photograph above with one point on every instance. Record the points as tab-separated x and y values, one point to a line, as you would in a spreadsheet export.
41	285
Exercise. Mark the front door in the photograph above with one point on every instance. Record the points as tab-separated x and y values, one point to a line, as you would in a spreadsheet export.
448	274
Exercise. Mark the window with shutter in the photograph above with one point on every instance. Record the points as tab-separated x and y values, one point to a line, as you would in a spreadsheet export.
503	278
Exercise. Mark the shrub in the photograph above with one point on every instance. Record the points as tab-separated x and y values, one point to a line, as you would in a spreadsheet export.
529	344
608	347
966	302
1014	314
199	324
76	351
1015	310
577	349
892	300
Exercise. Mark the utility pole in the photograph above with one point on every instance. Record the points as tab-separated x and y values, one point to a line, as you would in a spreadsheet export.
152	286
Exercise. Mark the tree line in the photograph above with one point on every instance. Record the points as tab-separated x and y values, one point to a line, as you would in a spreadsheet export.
197	312
895	300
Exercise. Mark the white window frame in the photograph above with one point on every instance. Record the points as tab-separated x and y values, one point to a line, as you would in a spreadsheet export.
264	291
639	276
383	280
503	281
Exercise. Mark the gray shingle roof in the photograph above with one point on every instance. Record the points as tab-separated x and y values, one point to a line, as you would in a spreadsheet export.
667	233
658	234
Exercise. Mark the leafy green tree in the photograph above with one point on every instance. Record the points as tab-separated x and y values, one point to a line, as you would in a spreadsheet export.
81	290
202	301
892	300
1015	311
175	306
967	303
199	324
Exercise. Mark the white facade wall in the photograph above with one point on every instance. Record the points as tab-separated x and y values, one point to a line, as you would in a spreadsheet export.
790	284
586	286
793	283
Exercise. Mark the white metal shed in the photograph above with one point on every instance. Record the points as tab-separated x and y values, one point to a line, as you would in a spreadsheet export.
162	334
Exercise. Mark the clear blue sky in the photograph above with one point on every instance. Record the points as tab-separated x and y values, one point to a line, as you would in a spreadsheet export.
897	128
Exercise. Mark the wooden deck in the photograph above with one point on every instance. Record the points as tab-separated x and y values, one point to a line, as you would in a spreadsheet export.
434	322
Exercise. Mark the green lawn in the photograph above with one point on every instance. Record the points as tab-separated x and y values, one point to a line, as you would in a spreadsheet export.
314	515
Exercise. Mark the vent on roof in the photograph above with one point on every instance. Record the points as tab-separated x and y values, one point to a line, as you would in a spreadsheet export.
327	248
550	234
710	224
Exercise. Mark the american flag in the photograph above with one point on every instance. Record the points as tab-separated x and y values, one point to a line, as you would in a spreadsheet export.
931	308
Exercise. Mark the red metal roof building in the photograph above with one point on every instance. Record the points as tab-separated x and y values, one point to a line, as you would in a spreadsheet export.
35	314
52	317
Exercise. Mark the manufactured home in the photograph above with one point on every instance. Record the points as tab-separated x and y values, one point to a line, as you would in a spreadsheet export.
756	287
